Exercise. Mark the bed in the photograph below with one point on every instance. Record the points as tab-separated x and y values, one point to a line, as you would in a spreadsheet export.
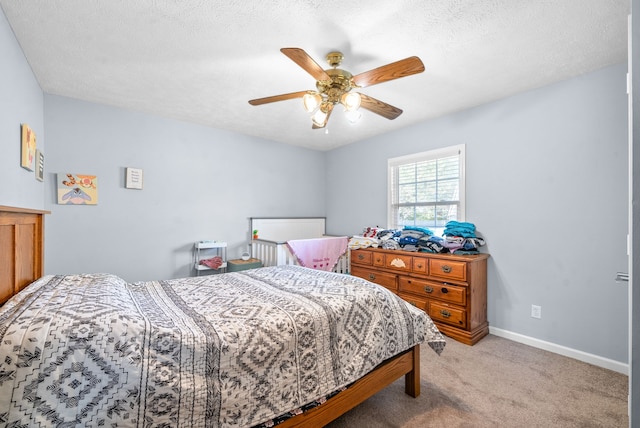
236	349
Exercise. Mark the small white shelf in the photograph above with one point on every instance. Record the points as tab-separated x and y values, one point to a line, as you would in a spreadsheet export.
203	267
201	245
208	249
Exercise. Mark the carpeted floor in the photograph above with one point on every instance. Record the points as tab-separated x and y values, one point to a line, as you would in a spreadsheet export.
499	383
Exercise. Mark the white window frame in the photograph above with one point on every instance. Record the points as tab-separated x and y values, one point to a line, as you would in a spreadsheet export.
394	163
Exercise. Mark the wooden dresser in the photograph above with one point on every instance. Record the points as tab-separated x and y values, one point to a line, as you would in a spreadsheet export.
452	289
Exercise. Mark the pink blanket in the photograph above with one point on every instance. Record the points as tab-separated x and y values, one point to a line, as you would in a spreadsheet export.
319	253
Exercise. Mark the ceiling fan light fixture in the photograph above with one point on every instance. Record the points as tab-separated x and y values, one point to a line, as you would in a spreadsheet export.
353	115
311	101
320	117
334	86
351	101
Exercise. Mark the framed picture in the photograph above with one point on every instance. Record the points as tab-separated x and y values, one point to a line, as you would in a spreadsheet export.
133	178
39	165
28	147
77	189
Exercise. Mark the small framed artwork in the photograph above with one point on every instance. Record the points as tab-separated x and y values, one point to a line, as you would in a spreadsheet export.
28	147
77	189
133	178
39	165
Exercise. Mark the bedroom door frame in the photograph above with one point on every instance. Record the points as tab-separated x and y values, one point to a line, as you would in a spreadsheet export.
634	213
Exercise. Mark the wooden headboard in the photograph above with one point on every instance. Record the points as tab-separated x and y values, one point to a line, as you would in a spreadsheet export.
21	249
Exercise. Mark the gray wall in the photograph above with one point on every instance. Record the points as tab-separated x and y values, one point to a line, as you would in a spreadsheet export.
546	183
199	183
20	102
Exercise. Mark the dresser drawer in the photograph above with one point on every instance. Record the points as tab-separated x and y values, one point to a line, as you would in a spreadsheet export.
400	262
420	265
441	312
436	290
416	301
449	269
378	259
361	257
387	280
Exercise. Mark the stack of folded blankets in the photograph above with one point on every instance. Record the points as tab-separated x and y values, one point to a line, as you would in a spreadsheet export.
459	238
367	239
406	239
409	238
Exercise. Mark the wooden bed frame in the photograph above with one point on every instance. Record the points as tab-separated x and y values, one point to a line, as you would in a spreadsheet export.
406	363
22	262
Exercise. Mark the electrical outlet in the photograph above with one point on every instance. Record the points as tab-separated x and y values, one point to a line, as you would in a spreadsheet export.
536	311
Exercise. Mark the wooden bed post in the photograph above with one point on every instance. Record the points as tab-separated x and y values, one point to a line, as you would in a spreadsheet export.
412	379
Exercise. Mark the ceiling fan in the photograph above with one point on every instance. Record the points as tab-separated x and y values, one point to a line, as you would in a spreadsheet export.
335	86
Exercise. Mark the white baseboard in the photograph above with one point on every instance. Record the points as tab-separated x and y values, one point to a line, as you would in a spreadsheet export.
606	363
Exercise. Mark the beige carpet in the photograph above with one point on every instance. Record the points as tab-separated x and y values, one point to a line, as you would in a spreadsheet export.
499	383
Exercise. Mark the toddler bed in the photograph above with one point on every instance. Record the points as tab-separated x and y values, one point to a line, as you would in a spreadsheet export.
278	241
235	349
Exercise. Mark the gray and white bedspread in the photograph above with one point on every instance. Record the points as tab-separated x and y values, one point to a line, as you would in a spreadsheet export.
234	349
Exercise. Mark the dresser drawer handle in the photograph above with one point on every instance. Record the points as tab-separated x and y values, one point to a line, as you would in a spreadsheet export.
428	289
444	290
419	266
372	277
444	313
446	268
413	303
360	256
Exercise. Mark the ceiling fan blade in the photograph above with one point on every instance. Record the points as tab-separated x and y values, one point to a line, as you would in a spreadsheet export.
395	70
378	107
275	98
303	59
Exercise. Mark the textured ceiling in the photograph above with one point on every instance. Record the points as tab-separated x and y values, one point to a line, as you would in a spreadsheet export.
201	61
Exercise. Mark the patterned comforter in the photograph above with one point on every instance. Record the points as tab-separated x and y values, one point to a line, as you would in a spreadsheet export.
234	349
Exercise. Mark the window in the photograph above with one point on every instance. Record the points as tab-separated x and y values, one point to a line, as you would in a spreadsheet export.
427	189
